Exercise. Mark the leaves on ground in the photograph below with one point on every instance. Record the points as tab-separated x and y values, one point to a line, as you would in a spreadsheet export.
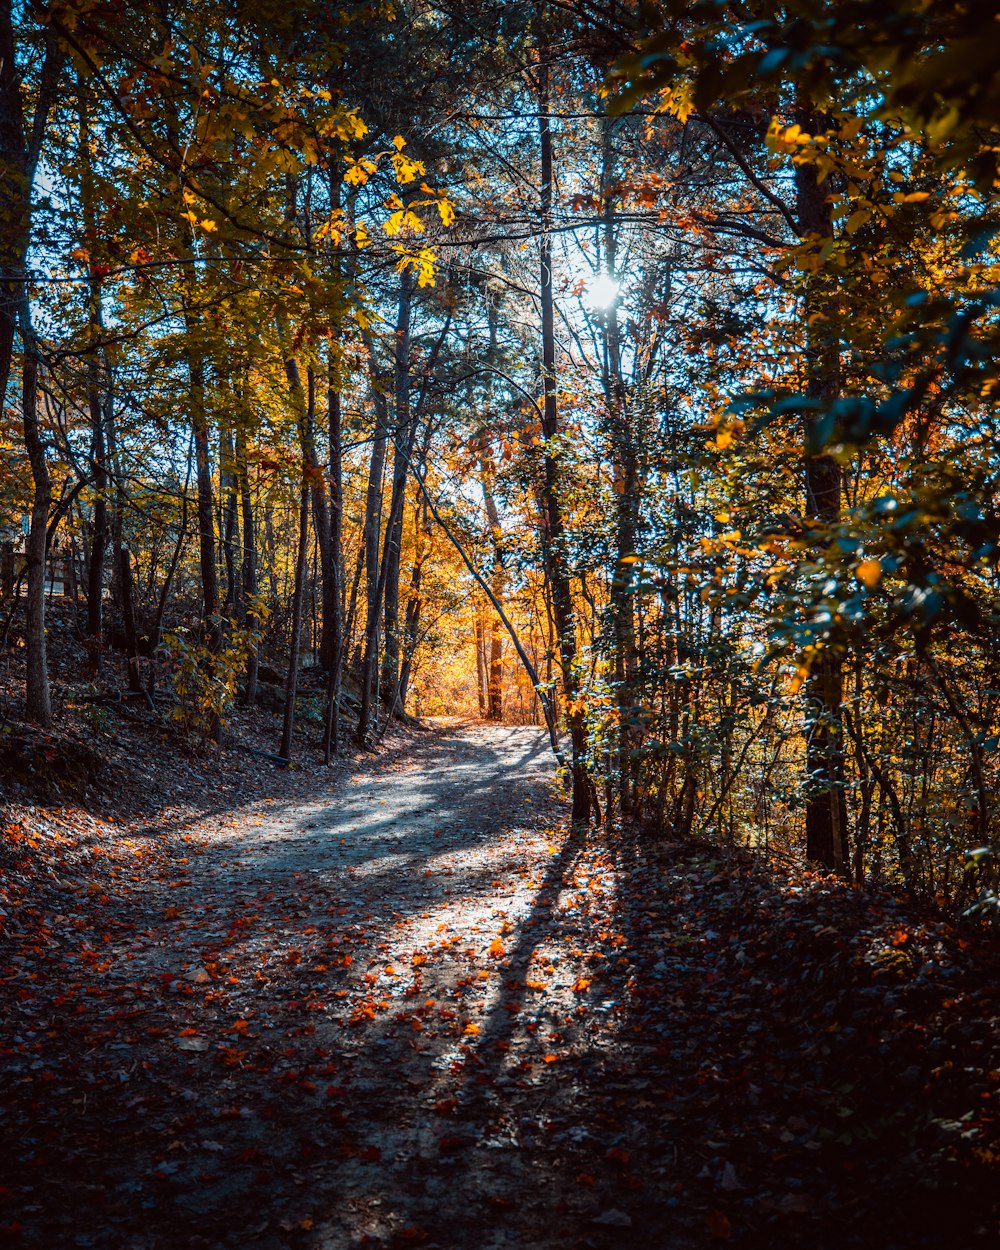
300	1023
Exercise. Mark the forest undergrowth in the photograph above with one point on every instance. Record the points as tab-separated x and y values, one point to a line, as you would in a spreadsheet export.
404	1007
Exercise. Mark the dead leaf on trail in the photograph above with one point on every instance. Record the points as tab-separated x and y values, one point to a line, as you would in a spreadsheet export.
613	1219
718	1226
197	1044
790	1204
496	949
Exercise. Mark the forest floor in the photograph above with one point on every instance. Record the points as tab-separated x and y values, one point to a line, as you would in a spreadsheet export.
395	1005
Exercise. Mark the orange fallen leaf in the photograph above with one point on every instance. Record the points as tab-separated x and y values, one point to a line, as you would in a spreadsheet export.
718	1225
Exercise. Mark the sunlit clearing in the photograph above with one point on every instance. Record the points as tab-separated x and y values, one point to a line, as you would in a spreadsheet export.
602	291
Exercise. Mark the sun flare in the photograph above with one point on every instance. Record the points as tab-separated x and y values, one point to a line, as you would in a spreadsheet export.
602	291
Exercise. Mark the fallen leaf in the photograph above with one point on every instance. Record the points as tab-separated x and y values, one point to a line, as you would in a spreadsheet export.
718	1225
613	1219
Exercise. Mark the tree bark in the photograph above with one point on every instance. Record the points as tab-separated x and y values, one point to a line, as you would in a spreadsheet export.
554	537
826	800
481	665
494	665
331	739
19	155
230	507
295	641
403	437
371	537
38	704
248	606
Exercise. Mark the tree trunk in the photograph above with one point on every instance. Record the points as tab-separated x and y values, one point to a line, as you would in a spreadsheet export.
95	402
99	527
38	705
372	534
826	800
627	492
122	558
494	685
404	434
304	402
248	608
553	529
414	598
206	499
19	155
295	641
481	686
14	195
331	742
230	506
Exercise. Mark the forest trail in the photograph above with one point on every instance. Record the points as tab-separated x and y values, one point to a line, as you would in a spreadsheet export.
403	1009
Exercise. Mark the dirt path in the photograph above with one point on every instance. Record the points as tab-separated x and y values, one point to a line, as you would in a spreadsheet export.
401	1009
331	987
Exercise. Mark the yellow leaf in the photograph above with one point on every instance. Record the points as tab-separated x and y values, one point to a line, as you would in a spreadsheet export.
399	143
208	225
496	950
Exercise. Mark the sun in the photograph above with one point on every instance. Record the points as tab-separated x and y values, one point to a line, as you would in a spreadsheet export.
602	291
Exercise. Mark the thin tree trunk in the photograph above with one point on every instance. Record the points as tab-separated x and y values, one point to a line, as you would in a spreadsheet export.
372	534
331	737
38	704
554	530
19	155
15	194
206	499
494	666
826	801
295	642
161	605
415	599
480	665
403	438
122	556
230	507
627	491
248	605
95	402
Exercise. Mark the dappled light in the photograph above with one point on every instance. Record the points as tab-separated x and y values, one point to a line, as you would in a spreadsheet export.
499	599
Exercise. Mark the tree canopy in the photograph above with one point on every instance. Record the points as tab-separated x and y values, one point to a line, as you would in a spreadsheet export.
628	369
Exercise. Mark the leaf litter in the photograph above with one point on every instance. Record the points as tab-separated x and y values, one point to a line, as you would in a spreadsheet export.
406	1009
